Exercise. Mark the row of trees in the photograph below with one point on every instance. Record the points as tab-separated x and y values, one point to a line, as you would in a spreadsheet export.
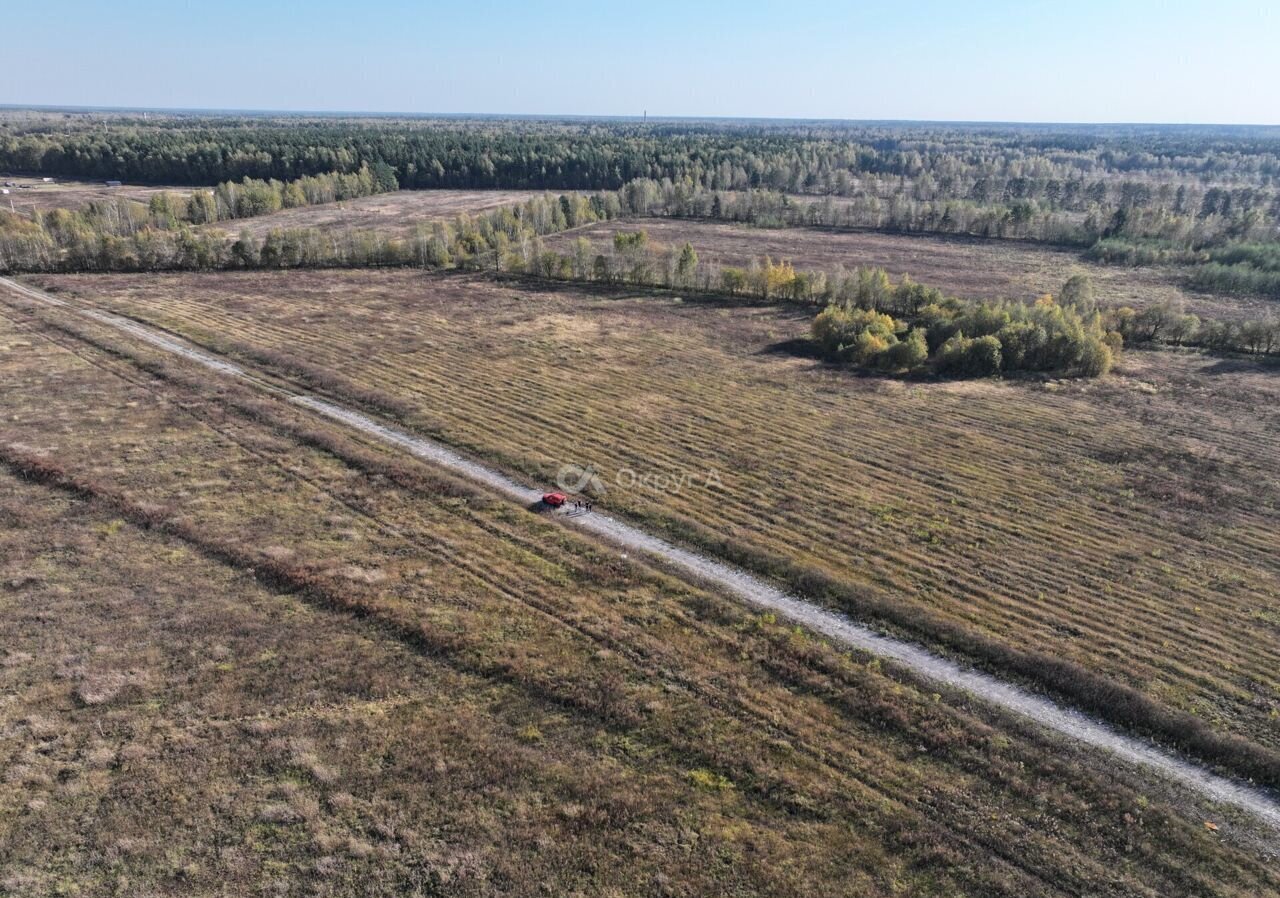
1230	254
1241	278
1072	333
122	234
251	197
1169	322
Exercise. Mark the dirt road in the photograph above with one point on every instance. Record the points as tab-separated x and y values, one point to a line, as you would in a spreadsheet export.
738	583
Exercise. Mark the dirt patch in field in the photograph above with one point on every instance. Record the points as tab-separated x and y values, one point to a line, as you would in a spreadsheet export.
389	213
31	193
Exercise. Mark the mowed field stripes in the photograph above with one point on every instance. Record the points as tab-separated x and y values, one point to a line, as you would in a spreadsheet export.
1127	525
839	774
764	595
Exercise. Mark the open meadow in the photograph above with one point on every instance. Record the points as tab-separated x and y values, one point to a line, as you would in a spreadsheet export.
1127	525
31	194
245	652
390	214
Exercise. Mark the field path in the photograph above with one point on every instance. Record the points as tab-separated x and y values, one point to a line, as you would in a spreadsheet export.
836	627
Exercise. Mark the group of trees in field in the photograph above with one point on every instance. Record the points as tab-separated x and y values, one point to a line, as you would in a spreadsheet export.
966	338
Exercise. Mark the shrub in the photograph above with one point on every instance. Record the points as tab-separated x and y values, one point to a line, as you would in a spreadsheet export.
868	348
983	358
969	356
1236	278
852	334
1022	344
1095	358
1078	293
907	354
710	780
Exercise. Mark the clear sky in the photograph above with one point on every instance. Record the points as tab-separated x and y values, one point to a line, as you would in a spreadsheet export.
1086	60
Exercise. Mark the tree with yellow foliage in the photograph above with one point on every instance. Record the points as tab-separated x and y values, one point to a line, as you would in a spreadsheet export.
774	279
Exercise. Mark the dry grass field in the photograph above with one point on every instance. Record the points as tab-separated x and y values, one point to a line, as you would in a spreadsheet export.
969	267
243	653
1127	524
72	194
392	214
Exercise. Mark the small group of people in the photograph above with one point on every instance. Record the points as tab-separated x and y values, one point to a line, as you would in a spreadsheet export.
582	505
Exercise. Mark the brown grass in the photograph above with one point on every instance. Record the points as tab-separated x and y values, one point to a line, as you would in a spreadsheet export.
395	214
73	194
502	707
1104	524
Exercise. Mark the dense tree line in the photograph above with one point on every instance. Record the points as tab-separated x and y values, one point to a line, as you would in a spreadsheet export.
1198	173
1131	195
250	197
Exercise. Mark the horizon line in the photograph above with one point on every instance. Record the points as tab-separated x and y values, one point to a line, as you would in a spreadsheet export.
587	117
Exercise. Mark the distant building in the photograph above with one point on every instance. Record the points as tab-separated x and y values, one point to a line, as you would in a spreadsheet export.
113	183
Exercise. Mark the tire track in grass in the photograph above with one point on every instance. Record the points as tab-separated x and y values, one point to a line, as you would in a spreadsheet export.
744	586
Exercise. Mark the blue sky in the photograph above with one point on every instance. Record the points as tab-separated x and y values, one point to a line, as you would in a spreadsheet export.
1087	60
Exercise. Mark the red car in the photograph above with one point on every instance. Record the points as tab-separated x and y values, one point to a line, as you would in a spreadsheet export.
555	500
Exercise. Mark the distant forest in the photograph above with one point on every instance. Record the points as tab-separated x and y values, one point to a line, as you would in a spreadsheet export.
1068	169
1200	196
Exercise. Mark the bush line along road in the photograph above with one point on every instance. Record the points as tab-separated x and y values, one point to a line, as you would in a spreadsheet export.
736	582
